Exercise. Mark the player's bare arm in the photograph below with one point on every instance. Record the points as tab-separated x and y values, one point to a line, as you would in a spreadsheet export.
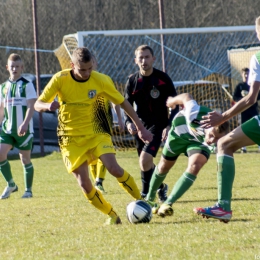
214	118
1	112
41	106
181	99
22	129
143	133
165	133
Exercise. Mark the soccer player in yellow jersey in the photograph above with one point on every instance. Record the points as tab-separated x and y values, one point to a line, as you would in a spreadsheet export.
82	133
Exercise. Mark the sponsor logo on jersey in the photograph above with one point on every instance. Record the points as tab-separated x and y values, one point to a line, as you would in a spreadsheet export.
15	101
108	146
92	93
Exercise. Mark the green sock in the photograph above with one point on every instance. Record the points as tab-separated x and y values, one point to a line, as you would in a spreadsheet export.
156	180
180	187
28	176
5	169
226	176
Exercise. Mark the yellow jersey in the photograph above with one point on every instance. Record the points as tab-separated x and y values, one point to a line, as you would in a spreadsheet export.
82	104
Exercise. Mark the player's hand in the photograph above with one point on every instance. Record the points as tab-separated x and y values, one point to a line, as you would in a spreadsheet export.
211	119
54	105
165	133
22	129
131	128
145	135
170	103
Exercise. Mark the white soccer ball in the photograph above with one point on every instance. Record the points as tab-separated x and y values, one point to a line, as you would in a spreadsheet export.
139	212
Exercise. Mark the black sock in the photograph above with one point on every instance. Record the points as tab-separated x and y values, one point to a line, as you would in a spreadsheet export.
146	177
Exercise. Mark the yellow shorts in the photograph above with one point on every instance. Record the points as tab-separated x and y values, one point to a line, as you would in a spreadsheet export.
76	150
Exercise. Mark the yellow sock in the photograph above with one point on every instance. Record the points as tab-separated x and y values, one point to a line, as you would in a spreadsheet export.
127	182
93	169
101	170
96	198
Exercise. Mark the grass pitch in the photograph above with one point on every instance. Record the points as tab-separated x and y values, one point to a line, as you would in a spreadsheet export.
58	223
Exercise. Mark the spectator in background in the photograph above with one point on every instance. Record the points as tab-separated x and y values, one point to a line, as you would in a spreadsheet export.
149	89
241	90
17	97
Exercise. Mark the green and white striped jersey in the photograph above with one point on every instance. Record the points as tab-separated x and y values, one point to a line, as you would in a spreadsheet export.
186	123
14	96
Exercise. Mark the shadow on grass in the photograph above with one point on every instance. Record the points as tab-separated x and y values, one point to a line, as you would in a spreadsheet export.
206	188
191	201
198	219
215	200
237	199
33	156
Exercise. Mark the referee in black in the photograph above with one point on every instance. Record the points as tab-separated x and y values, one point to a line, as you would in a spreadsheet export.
148	90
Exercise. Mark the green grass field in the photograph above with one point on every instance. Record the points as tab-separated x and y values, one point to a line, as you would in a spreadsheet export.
58	223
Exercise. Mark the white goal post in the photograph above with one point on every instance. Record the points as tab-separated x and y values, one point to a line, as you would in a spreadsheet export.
79	35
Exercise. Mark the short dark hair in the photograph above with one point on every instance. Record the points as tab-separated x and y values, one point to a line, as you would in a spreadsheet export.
142	48
223	128
245	69
81	54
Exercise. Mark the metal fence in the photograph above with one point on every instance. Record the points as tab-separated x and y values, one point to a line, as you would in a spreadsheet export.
54	19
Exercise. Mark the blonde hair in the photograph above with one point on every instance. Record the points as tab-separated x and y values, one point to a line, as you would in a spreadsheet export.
14	57
257	23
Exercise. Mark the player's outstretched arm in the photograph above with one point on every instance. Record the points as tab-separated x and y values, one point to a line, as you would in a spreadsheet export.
143	133
214	118
41	106
181	99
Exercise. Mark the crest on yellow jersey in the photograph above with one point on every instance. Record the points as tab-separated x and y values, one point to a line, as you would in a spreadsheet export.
92	93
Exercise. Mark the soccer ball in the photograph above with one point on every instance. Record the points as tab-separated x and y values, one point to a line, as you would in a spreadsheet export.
139	212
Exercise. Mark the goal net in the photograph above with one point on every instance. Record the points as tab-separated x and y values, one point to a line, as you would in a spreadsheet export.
205	62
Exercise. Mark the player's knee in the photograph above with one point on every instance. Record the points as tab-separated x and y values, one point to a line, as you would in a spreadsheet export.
225	144
163	168
194	168
115	170
146	163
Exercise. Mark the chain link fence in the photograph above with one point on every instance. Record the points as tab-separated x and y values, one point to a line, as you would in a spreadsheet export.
58	18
